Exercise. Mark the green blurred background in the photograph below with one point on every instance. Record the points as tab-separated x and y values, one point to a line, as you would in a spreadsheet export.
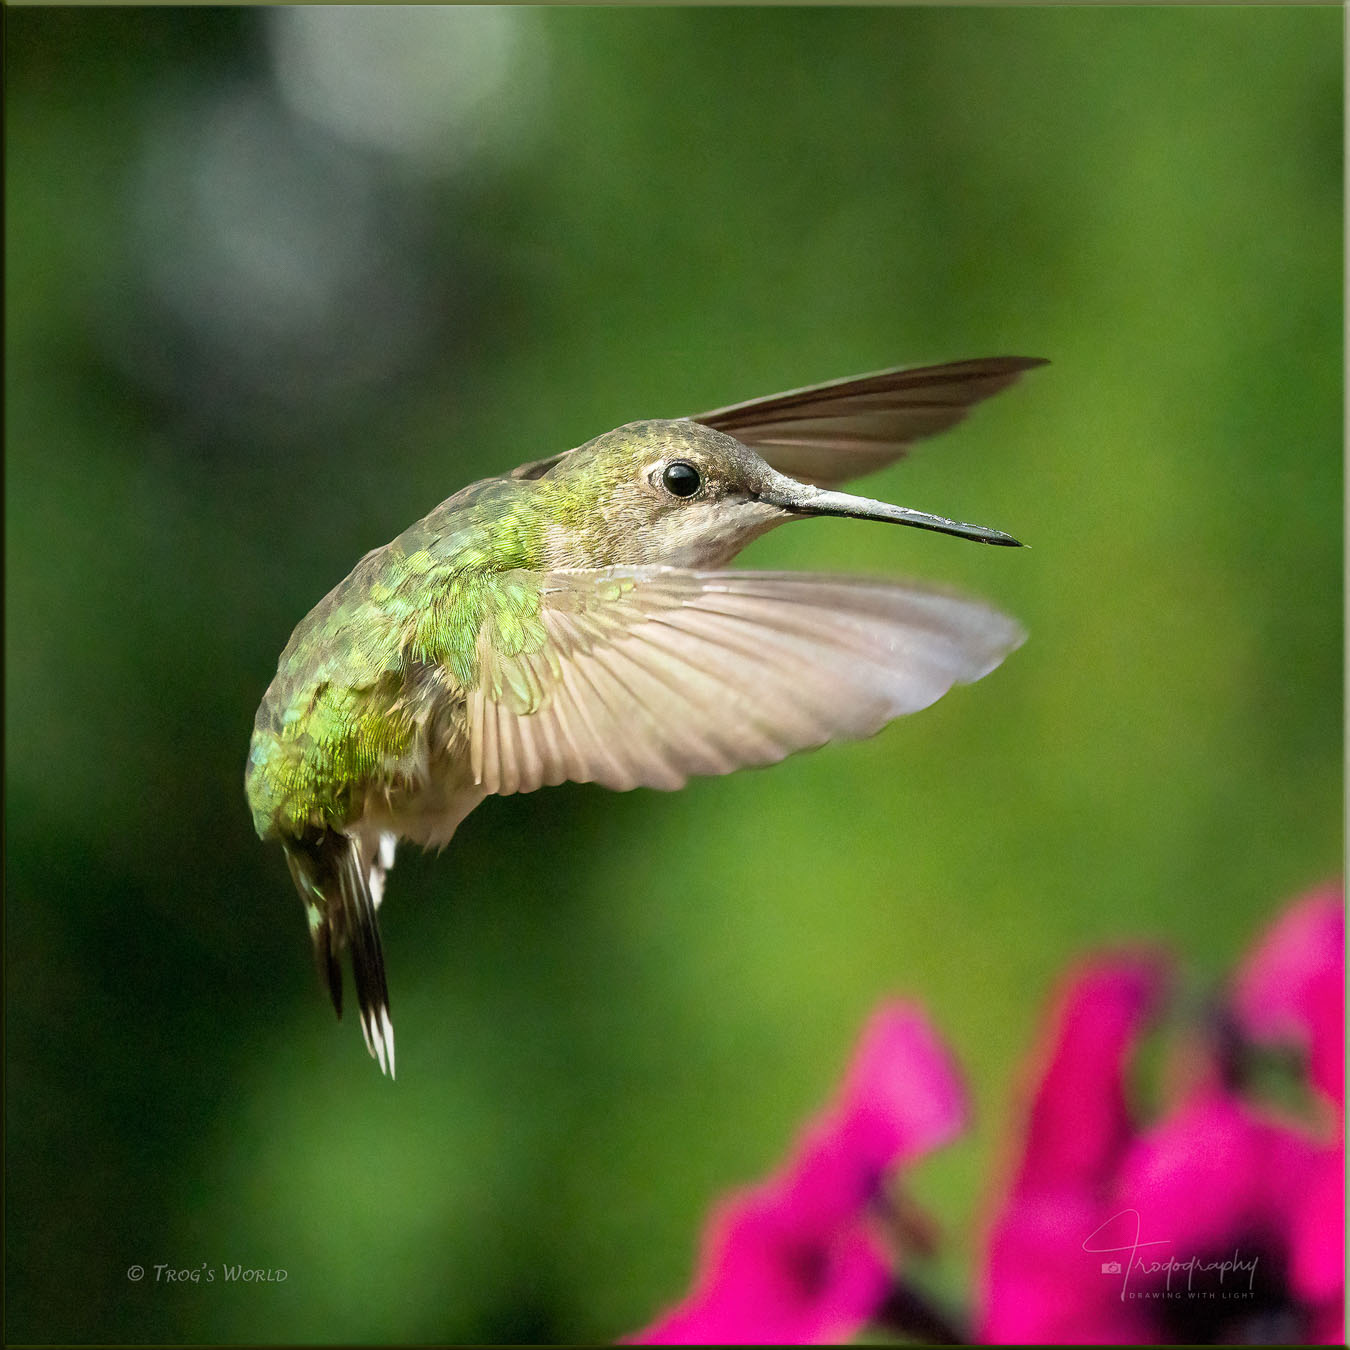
279	281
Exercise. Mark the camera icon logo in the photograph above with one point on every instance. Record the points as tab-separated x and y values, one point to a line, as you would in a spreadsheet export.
1110	1267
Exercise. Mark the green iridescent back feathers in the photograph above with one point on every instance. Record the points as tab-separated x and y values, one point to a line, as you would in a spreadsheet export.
354	684
345	700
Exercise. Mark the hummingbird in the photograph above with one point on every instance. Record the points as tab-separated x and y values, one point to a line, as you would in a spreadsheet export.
575	620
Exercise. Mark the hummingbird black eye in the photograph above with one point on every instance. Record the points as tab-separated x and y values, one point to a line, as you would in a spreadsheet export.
681	479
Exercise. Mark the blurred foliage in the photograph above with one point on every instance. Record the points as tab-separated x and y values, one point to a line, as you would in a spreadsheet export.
611	1008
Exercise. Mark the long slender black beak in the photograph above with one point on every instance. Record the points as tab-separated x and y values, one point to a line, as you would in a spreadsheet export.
804	499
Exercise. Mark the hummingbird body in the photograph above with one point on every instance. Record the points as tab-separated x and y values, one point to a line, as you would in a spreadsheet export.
369	695
571	621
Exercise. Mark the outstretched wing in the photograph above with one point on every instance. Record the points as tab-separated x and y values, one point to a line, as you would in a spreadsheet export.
647	676
829	433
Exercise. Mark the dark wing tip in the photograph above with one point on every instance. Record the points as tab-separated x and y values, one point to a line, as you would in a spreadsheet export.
537	468
892	378
1023	362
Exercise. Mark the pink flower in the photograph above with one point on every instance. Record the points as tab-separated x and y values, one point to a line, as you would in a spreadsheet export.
1040	1284
1292	990
797	1258
1218	1222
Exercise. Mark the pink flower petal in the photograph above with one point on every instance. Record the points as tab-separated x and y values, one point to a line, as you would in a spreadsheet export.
794	1260
1292	987
1215	1172
765	1280
1317	1256
1042	1285
902	1090
900	1098
1080	1119
1040	1281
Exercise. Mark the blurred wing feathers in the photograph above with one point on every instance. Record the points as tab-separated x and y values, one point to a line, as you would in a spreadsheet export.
649	676
829	433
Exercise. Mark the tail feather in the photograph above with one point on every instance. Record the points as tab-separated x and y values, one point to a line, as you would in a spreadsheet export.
363	935
381	860
340	890
326	946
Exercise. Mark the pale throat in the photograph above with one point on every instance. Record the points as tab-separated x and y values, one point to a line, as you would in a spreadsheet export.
711	538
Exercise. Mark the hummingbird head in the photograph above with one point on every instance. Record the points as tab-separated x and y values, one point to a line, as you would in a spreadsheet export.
680	494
